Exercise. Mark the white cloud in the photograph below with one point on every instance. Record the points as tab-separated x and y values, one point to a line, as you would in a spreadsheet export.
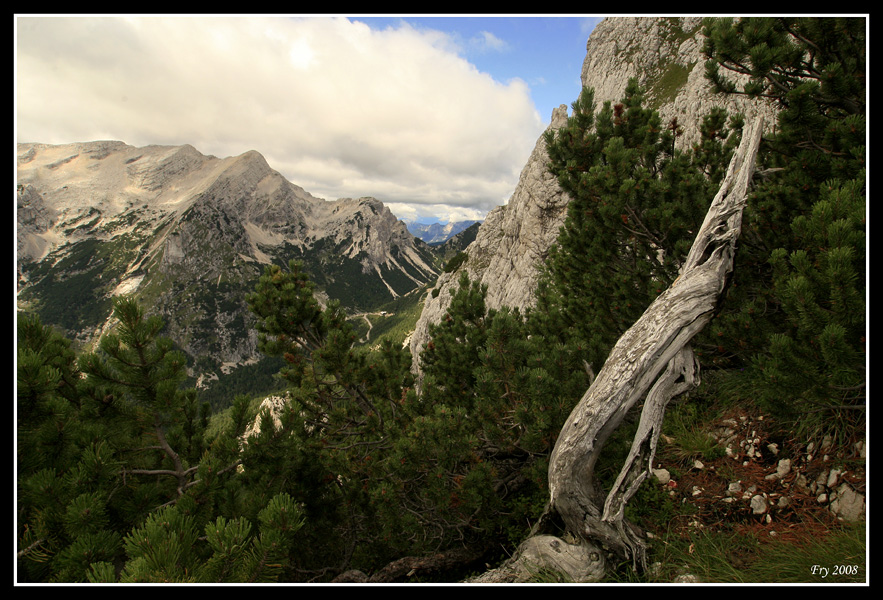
411	213
337	108
488	40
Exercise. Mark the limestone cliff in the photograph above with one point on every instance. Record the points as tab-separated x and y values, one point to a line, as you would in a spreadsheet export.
511	242
665	54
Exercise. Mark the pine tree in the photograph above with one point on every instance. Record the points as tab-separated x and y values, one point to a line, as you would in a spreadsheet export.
453	350
796	318
369	456
99	455
342	417
168	548
493	399
68	494
144	436
316	343
48	397
635	201
142	370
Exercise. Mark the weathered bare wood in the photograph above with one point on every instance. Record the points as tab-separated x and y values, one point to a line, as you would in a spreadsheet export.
681	376
658	341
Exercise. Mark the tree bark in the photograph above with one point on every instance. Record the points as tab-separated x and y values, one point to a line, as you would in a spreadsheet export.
408	566
653	360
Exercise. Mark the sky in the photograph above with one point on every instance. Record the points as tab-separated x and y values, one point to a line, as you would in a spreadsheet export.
434	116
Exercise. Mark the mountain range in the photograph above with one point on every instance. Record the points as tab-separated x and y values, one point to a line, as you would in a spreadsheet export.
189	235
438	233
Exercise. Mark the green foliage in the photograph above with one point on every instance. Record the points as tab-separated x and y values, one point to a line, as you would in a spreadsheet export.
251	379
344	409
168	547
145	372
397	324
370	456
342	277
651	505
820	355
498	398
795	317
454	349
454	263
636	203
733	557
99	451
72	293
787	57
66	466
684	424
48	399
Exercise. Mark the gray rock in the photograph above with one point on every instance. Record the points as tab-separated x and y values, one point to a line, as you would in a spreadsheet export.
833	478
665	55
859	448
759	504
662	475
783	468
847	503
513	242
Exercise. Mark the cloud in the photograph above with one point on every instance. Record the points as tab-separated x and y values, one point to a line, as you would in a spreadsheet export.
338	108
489	41
411	213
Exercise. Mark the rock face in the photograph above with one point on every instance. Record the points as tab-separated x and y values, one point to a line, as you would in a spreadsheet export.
511	242
665	54
189	235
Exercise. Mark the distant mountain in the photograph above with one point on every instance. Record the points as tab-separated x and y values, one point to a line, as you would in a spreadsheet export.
189	235
436	233
457	243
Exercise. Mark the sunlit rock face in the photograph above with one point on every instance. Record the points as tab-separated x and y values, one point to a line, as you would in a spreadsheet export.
665	55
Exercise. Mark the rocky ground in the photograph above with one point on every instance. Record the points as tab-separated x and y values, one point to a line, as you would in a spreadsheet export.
771	488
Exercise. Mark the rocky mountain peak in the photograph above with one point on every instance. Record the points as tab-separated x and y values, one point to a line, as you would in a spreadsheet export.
437	233
665	54
189	234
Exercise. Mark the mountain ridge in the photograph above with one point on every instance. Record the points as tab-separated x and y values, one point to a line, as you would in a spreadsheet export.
189	235
438	233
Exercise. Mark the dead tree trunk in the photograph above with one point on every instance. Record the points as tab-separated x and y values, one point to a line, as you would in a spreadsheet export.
653	361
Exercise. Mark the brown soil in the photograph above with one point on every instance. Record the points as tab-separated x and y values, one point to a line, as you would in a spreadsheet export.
703	490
